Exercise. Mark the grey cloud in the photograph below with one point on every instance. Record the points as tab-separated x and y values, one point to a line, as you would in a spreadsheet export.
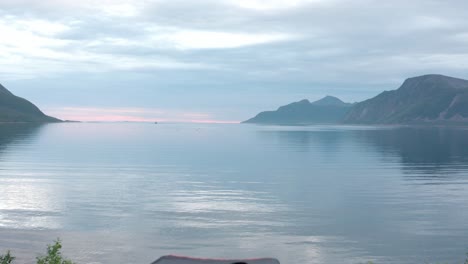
354	49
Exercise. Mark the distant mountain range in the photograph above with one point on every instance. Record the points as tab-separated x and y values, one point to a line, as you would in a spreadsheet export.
17	109
420	100
326	110
425	99
428	98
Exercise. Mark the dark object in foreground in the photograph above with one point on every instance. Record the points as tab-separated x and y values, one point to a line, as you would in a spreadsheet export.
187	260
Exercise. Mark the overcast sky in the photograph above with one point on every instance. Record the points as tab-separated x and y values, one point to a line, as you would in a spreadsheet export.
220	60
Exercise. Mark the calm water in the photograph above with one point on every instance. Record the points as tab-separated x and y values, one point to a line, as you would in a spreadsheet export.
128	193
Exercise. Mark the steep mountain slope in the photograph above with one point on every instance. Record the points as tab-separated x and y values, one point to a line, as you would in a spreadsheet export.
17	109
423	99
326	110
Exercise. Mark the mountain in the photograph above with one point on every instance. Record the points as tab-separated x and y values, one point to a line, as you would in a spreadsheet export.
424	99
330	101
17	109
326	110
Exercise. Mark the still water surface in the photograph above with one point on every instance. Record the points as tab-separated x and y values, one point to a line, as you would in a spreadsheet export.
129	193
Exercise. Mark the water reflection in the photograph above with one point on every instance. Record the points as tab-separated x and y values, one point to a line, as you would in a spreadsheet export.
427	154
426	149
421	145
398	189
303	140
12	134
26	202
302	194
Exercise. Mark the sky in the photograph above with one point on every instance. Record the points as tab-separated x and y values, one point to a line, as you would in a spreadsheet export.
220	60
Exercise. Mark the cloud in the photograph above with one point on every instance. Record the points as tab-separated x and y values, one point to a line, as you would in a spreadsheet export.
314	38
34	47
121	10
197	39
266	5
209	48
96	39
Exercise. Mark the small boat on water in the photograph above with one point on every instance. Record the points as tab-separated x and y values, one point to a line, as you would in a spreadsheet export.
187	260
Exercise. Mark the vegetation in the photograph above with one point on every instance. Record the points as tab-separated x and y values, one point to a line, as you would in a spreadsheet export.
6	259
53	256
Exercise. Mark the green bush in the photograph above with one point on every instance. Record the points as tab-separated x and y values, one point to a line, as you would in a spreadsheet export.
6	259
54	256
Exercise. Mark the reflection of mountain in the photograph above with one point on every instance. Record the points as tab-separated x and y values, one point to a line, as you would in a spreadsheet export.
424	149
11	133
303	140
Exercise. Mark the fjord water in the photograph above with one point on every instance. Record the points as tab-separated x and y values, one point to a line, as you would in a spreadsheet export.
129	193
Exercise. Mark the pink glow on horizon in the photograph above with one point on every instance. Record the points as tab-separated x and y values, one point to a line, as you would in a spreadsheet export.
94	114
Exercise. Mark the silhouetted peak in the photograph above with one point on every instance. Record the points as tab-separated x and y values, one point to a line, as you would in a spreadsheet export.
329	100
304	101
434	77
4	90
17	109
434	81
